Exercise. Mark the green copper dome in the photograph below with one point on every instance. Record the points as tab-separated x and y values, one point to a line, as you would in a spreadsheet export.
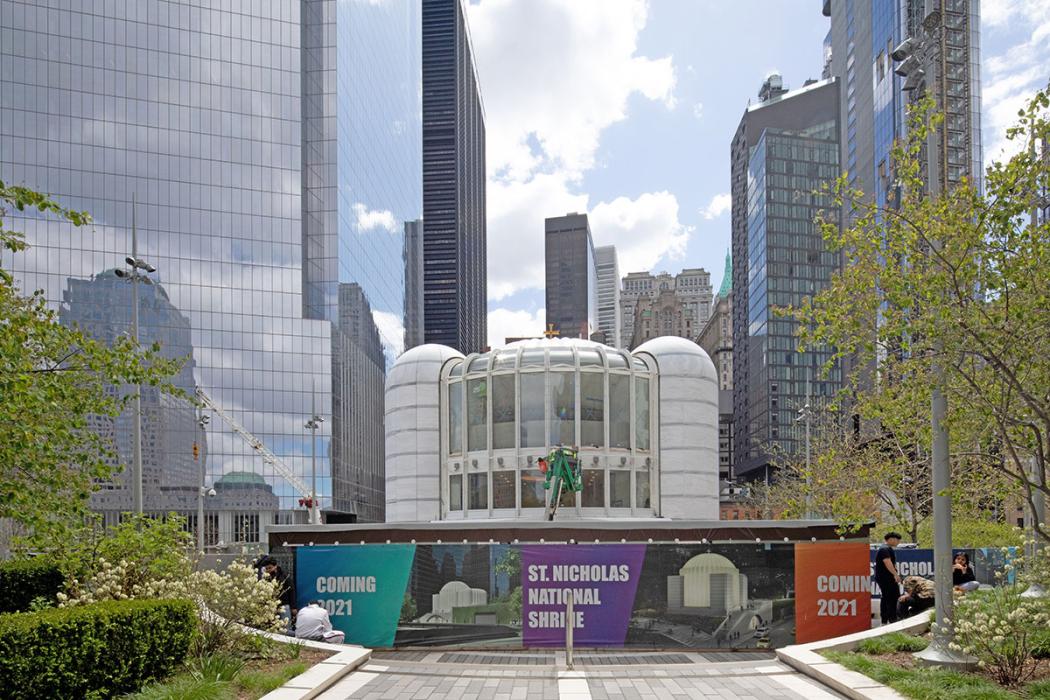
241	479
727	278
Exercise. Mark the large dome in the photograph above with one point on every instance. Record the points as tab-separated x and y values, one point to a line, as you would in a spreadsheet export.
465	433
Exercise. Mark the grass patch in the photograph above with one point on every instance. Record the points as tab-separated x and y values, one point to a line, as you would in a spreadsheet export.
224	677
185	686
923	683
261	682
889	643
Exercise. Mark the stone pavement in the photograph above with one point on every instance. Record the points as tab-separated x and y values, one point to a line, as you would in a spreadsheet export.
541	675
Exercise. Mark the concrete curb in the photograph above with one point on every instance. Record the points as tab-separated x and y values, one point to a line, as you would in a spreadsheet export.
806	659
320	677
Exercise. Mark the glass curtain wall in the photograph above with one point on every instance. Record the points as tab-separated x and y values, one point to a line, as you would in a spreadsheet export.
507	408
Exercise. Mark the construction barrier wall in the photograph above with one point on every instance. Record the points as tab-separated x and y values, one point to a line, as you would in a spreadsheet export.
703	596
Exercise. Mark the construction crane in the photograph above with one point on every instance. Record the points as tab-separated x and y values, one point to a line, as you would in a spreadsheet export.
562	469
268	457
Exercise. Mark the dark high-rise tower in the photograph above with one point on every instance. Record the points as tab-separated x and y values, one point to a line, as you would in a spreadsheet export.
572	277
454	251
785	148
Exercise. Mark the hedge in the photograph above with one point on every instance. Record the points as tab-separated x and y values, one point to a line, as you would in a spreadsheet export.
93	651
22	581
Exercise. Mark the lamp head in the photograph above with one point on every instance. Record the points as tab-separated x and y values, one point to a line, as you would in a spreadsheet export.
908	65
903	50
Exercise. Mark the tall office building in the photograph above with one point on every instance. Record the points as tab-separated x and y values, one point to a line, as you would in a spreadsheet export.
785	148
716	339
272	157
362	160
101	307
454	249
413	259
358	361
664	304
608	269
572	276
872	102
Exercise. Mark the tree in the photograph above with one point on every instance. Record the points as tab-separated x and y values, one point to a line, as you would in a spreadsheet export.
960	280
53	380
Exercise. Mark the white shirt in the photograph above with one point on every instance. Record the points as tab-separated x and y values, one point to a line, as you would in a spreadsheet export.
312	622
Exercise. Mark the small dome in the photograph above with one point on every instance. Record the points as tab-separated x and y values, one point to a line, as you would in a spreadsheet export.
240	480
454	586
710	563
678	356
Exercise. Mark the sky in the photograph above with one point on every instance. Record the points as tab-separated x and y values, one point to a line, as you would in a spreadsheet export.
625	109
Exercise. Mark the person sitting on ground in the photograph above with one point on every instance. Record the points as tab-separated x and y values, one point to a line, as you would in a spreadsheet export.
918	596
313	623
963	577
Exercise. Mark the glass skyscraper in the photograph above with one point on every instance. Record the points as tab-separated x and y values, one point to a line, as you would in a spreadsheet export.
863	35
455	305
785	149
273	150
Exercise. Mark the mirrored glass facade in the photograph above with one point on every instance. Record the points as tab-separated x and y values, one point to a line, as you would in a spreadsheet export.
455	277
785	149
273	150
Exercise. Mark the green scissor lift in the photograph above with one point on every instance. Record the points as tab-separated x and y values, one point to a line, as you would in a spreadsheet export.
562	471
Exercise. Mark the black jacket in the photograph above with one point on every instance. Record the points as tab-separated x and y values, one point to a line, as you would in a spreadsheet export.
284	590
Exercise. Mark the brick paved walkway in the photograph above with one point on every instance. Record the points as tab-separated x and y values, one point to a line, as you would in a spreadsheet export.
542	676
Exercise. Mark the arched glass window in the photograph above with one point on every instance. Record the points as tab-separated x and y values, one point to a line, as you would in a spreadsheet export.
477	414
620	411
503	412
455	418
563	408
592	409
532	386
641	413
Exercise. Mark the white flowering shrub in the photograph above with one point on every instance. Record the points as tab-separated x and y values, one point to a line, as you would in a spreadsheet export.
1000	629
226	600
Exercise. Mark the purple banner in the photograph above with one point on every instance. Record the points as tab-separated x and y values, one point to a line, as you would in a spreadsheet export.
602	580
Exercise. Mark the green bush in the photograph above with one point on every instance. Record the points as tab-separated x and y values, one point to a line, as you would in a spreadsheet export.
93	651
23	580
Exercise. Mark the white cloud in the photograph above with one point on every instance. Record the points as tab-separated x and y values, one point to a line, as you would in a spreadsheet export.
1010	79
368	219
554	75
720	204
391	331
698	110
560	72
508	323
516	214
644	230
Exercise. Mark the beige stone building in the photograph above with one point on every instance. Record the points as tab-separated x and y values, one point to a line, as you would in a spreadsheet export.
664	304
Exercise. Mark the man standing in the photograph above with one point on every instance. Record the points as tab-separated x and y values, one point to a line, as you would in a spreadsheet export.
887	577
269	569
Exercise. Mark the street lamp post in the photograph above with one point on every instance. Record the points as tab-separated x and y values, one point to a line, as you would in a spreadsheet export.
202	490
135	274
312	425
919	67
804	416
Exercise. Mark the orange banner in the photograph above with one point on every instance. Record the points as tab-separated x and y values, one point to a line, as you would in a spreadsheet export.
832	590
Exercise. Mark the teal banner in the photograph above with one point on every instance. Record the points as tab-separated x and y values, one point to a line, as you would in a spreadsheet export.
362	587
